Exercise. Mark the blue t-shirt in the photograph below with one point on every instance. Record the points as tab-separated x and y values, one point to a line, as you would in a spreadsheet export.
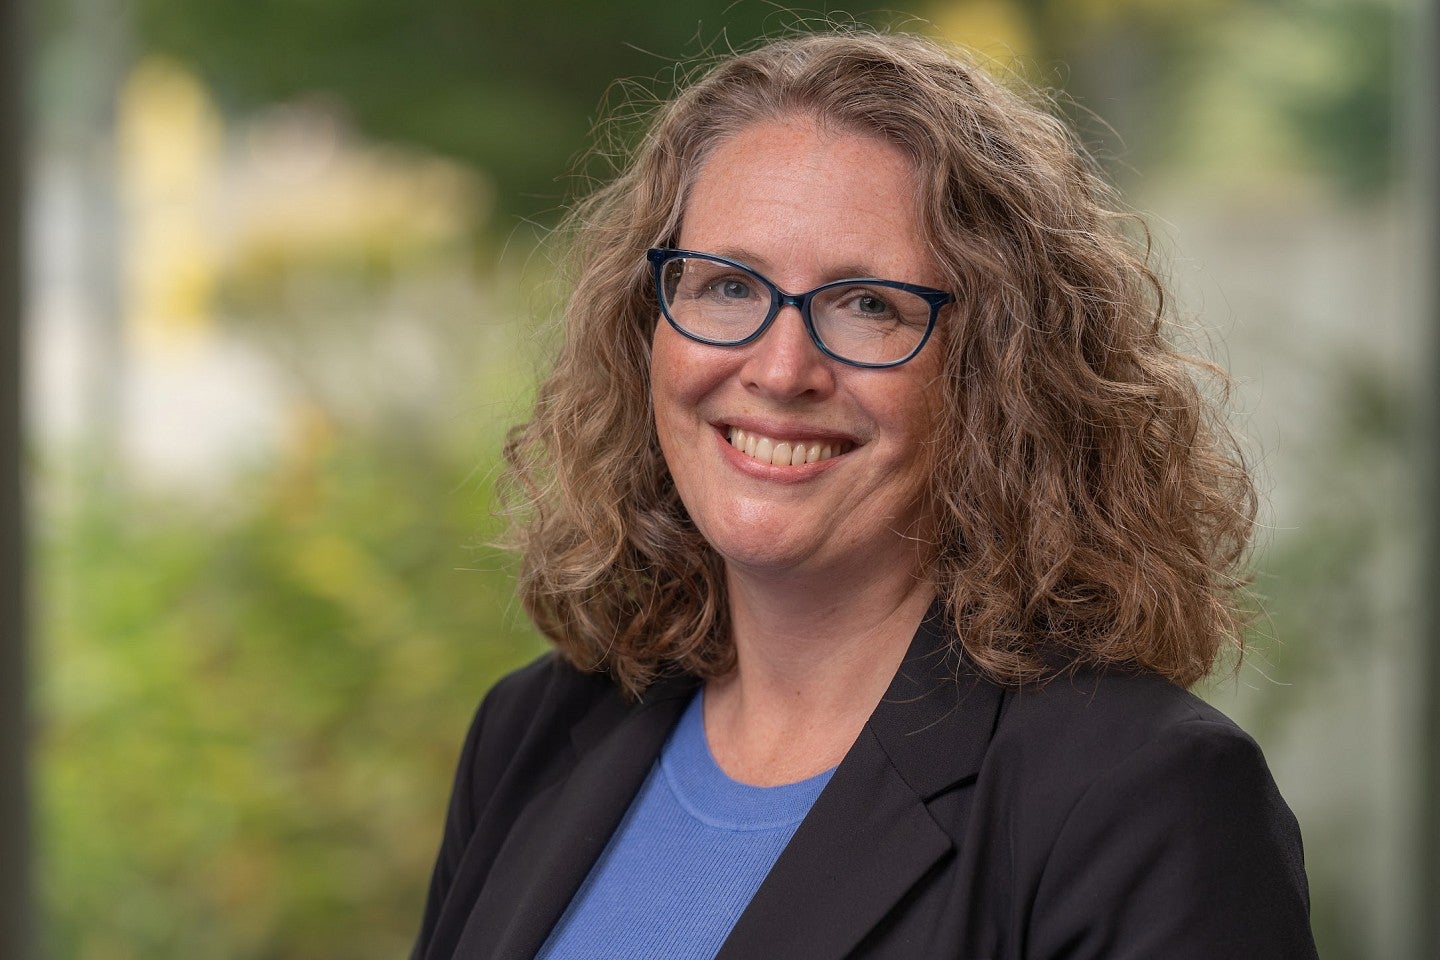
684	862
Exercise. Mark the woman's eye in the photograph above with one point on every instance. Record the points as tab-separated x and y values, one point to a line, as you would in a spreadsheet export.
731	289
869	306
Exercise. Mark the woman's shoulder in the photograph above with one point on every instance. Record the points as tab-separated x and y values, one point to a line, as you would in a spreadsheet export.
1102	777
1109	713
548	676
1081	725
546	696
544	712
521	733
1099	744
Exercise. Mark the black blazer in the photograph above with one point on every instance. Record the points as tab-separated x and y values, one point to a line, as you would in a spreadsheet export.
1100	816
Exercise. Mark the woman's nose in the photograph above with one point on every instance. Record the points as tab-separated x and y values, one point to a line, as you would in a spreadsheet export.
785	362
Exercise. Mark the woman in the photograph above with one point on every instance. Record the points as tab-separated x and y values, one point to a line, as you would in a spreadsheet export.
879	532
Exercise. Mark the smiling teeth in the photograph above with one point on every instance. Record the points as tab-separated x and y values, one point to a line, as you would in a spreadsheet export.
781	453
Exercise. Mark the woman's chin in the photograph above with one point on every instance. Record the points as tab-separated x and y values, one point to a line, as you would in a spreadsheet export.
786	562
768	555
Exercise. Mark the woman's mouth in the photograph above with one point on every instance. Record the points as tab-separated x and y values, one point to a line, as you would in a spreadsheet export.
784	453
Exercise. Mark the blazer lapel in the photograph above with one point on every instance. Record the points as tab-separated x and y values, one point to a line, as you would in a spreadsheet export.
564	829
870	837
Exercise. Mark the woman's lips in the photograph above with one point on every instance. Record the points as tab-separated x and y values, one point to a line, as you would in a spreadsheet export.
784	453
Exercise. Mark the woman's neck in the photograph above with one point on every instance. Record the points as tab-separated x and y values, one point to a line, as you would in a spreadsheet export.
811	666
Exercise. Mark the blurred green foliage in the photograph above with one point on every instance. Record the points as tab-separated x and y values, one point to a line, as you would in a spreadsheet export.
253	710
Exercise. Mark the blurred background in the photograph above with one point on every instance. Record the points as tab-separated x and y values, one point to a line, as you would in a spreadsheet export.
286	289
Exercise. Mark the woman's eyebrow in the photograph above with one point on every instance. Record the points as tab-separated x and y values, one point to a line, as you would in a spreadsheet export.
844	271
741	255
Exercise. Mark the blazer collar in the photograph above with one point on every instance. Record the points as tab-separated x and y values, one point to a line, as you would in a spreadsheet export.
564	828
936	719
870	836
866	841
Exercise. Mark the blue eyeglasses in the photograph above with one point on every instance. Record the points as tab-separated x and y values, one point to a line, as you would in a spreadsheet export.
864	322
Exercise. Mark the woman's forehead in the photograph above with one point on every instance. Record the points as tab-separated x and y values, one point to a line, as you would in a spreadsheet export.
790	193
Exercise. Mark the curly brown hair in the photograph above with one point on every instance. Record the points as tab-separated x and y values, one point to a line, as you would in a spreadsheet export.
1092	506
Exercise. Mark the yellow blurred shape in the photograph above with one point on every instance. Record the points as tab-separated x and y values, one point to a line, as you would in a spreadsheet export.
996	29
168	142
169	133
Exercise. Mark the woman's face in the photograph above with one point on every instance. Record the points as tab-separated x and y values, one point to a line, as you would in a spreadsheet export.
803	207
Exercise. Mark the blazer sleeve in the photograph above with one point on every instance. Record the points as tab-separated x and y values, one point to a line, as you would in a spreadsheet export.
1184	850
459	825
511	715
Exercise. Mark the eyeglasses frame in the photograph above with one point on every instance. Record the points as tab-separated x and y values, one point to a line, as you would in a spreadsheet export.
779	299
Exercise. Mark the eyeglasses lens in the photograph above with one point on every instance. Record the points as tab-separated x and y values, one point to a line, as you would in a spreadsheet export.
861	322
715	301
869	323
